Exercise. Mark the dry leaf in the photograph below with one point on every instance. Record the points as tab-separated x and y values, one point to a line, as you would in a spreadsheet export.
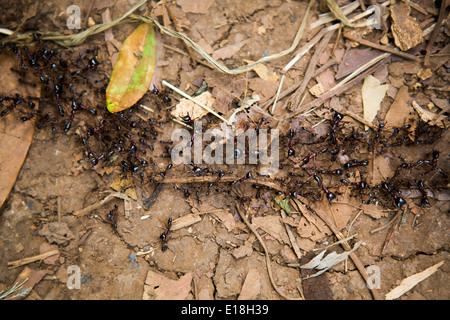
263	72
272	225
125	185
158	287
251	286
228	51
399	110
57	232
322	263
372	94
405	29
187	107
32	277
353	59
15	135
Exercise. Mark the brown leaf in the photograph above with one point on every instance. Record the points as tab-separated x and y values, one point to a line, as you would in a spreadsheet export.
56	232
195	112
399	110
272	225
405	29
33	276
15	135
158	287
353	59
251	286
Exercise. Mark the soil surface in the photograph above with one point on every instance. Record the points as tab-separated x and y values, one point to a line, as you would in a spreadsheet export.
118	247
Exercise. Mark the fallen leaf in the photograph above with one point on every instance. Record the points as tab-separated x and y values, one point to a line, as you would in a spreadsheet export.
273	226
243	251
353	59
124	185
226	218
263	72
228	51
372	94
29	278
283	203
187	107
399	110
251	286
57	232
158	287
322	263
405	29
15	135
133	71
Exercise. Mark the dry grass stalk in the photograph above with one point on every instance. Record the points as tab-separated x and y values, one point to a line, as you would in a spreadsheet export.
21	262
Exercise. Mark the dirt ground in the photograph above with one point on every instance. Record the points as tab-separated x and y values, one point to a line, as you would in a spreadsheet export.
219	252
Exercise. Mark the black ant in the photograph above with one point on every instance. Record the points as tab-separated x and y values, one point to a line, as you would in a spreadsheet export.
355	163
330	196
164	236
112	217
399	201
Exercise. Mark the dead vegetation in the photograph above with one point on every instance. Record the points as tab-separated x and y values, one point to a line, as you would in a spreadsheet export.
359	94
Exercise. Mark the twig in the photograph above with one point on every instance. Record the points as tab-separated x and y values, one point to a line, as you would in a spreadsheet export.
21	262
415	6
266	252
380	47
291	236
390	234
225	179
294	87
384	226
295	99
94	206
435	33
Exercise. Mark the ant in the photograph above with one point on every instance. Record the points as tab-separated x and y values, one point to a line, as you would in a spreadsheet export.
433	163
164	236
313	155
161	94
424	201
112	217
355	163
330	196
291	152
335	172
337	118
399	201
